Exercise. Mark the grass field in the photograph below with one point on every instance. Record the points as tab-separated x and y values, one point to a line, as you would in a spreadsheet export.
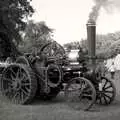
58	110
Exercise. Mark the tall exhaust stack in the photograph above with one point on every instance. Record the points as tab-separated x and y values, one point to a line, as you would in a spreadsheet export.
91	40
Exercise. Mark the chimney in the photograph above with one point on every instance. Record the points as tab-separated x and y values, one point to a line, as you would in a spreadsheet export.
91	39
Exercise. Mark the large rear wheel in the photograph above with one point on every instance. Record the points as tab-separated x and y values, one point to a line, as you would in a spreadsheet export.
18	84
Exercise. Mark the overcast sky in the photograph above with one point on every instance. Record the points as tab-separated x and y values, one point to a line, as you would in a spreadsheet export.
69	18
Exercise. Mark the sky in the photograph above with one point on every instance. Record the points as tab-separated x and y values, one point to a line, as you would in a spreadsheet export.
68	18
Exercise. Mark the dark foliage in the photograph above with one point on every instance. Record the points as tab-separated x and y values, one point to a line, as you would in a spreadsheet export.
12	21
35	36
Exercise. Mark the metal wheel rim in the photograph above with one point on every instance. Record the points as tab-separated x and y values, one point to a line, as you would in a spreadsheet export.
16	85
108	93
53	49
85	97
22	60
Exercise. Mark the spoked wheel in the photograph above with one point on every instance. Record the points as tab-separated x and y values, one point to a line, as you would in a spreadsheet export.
80	94
52	49
18	84
107	93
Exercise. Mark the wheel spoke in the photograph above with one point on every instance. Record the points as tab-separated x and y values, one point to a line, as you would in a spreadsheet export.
24	78
107	96
105	99
18	73
22	96
8	90
25	93
105	84
13	98
18	98
25	84
27	89
13	73
108	87
87	89
86	95
108	91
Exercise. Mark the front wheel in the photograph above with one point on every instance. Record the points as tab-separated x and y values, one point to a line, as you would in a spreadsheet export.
108	92
80	93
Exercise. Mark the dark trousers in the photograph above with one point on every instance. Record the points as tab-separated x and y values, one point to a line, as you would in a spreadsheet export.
112	75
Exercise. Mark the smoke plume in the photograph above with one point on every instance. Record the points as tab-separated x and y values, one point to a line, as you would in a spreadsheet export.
106	4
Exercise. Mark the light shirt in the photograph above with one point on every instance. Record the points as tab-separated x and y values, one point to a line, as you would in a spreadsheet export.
112	68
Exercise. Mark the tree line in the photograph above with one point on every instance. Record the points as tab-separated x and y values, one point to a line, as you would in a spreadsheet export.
107	46
18	35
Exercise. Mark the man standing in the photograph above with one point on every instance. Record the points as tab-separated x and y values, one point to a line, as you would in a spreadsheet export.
112	70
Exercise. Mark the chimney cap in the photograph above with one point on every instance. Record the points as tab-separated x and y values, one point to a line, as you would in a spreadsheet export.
91	21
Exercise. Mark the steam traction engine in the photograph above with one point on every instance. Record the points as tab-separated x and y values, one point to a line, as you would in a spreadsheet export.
51	71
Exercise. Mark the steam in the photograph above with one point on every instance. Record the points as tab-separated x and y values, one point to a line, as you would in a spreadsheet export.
106	4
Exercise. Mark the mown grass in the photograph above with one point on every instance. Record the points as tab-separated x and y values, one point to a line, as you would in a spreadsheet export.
58	110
